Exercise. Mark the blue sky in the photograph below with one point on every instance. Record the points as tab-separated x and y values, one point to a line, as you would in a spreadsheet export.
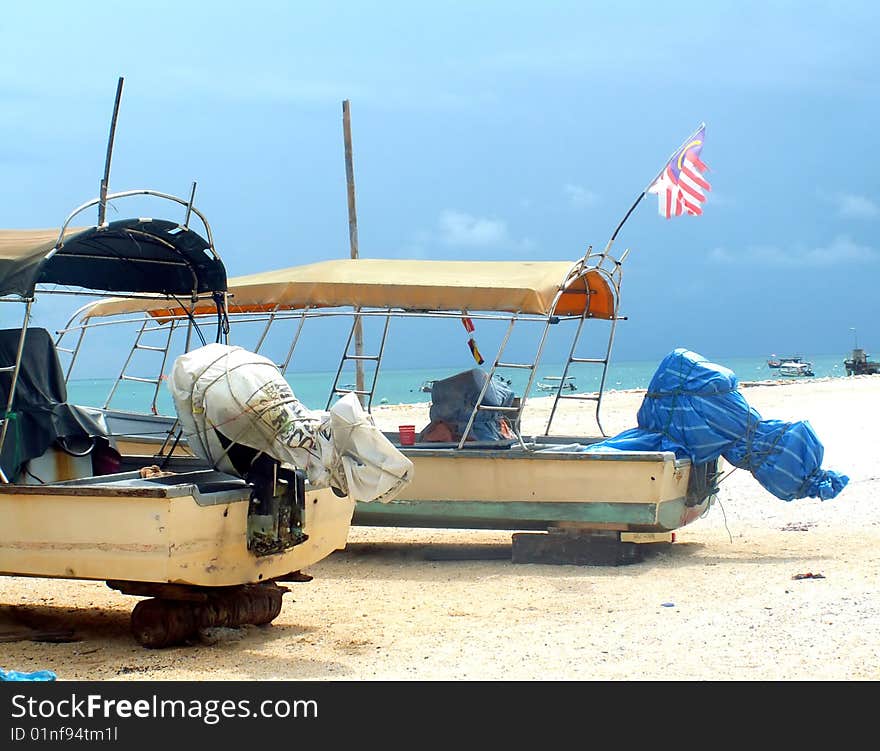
485	130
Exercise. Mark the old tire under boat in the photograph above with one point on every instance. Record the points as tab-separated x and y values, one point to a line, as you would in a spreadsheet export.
158	622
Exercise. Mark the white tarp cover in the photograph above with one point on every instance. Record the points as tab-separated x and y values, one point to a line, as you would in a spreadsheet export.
244	397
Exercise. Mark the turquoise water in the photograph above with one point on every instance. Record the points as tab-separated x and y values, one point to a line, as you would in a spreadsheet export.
402	386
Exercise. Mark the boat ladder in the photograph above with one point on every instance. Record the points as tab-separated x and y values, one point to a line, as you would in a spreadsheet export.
285	363
359	358
515	409
572	360
146	328
71	352
612	268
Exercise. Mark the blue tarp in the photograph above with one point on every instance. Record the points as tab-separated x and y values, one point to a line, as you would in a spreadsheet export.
693	407
37	675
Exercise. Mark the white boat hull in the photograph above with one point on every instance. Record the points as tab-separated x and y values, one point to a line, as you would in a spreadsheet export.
127	529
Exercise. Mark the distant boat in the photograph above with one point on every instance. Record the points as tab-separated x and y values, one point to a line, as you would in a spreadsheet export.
551	383
777	362
859	364
797	369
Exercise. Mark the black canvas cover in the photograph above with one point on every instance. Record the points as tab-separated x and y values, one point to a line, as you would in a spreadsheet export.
40	412
129	255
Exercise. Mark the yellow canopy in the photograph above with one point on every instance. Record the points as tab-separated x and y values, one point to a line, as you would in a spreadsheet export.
507	286
22	254
22	243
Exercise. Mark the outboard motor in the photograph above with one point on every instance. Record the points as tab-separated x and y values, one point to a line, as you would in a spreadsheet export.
238	412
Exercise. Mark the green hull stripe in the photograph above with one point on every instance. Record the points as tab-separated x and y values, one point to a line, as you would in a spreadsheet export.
518	514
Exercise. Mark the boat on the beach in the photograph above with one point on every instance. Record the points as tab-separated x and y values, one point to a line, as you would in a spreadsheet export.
796	369
79	500
859	363
556	383
474	467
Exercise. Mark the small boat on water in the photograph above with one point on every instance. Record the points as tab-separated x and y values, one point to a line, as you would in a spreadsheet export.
556	383
796	369
776	361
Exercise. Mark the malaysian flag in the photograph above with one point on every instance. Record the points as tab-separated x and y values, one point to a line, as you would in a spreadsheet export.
681	187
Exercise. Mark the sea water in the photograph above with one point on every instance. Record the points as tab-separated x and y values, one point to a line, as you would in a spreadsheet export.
405	386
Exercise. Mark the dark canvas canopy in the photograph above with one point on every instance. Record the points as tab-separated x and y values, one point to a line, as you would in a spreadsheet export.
129	255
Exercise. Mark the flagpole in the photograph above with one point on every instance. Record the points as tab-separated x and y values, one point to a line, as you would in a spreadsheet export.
644	192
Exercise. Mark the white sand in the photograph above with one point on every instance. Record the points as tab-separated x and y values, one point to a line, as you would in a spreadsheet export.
383	609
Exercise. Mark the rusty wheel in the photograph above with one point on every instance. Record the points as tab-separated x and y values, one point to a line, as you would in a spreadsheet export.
160	622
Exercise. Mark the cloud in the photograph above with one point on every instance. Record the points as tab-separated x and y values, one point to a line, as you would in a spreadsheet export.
857	207
579	197
460	229
841	250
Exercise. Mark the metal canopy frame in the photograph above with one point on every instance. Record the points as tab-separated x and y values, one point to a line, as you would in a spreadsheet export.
219	297
122	257
603	263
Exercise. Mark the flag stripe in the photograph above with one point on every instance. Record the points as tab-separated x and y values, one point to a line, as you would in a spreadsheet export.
693	208
695	176
697	162
686	187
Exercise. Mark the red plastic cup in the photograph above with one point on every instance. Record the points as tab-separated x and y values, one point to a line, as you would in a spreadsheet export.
407	435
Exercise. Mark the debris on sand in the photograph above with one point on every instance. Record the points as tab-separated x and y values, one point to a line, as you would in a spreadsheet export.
219	634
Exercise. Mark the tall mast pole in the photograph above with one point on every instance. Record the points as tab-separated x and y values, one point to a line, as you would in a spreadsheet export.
105	182
353	239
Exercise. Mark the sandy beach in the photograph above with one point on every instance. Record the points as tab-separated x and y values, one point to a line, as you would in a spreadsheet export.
727	601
